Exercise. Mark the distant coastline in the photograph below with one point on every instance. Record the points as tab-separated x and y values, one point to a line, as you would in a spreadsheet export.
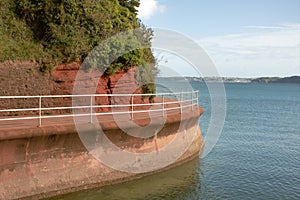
291	79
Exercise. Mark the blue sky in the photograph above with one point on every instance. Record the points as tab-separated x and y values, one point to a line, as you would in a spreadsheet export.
244	38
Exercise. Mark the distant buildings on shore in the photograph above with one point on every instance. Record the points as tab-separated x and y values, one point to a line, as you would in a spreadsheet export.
292	79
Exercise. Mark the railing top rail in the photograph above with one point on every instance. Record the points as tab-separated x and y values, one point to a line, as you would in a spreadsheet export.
183	103
96	95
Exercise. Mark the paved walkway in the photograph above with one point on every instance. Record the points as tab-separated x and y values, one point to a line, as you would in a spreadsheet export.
139	118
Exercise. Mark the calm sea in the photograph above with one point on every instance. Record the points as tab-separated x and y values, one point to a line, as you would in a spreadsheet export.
256	157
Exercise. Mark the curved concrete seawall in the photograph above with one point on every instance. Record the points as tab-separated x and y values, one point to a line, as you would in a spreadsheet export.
39	162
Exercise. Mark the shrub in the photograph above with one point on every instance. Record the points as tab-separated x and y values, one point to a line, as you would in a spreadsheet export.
61	31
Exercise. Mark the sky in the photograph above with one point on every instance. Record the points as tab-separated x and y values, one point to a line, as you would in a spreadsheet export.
244	38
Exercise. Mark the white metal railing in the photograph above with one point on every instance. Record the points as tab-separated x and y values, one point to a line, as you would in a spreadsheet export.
182	99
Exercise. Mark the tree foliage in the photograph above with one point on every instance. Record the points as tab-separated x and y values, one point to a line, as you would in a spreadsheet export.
60	31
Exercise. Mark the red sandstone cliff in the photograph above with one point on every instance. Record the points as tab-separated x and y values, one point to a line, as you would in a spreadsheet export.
25	78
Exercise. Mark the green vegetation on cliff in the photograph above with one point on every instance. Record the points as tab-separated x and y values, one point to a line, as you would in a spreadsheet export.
291	79
61	31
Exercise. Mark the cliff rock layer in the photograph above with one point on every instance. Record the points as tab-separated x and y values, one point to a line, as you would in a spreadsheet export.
25	78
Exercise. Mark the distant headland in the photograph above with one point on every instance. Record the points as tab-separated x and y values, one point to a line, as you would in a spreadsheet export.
291	79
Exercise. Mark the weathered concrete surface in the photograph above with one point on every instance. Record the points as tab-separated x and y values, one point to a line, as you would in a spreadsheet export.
42	162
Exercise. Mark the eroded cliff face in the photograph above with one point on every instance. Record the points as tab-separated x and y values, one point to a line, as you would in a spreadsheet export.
25	79
123	82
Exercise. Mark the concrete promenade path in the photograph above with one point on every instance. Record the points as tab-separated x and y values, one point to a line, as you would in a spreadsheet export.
105	120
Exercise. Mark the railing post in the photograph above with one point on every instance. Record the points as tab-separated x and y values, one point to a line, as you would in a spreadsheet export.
180	95
192	99
91	109
40	111
163	105
132	107
197	97
181	101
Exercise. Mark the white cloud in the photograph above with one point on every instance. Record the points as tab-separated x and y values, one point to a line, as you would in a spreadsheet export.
263	27
263	51
282	27
148	8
